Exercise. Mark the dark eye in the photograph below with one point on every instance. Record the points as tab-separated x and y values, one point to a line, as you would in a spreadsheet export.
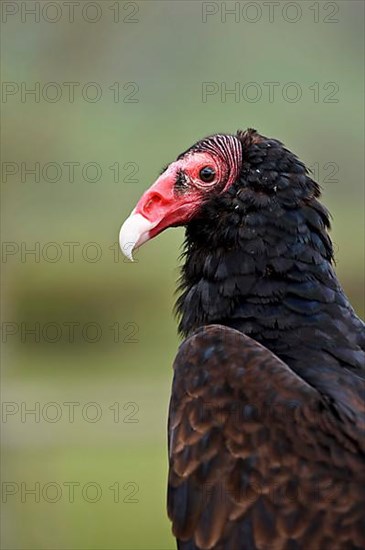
207	174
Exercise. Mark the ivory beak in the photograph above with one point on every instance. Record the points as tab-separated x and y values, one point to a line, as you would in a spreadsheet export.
134	232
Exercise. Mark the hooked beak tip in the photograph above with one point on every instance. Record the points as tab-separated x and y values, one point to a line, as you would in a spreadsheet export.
127	250
133	233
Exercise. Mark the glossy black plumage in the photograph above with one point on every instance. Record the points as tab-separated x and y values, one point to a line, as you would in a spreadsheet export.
266	426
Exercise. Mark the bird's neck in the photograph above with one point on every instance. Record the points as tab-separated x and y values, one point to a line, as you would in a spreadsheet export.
273	280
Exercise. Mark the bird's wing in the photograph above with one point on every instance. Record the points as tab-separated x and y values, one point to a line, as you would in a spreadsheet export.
257	457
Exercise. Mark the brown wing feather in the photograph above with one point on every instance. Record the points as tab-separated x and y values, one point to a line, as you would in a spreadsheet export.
258	458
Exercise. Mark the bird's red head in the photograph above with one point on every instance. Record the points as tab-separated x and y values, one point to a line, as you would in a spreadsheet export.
210	166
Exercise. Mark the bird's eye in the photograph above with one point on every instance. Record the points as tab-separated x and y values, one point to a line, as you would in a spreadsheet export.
207	174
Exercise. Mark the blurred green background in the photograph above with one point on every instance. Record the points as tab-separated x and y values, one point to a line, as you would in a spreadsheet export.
159	53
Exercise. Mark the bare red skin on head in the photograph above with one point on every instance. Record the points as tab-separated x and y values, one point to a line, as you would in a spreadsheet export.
164	206
175	198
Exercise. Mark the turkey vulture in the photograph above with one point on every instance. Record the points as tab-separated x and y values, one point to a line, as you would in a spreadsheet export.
267	412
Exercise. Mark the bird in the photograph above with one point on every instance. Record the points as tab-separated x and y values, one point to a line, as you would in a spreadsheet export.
267	411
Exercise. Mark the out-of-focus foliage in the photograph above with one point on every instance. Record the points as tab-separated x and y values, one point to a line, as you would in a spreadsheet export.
168	52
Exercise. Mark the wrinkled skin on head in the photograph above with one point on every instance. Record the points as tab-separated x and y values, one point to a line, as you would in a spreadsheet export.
207	169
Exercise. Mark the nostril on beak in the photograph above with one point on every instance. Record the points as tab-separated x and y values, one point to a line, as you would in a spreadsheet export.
153	200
